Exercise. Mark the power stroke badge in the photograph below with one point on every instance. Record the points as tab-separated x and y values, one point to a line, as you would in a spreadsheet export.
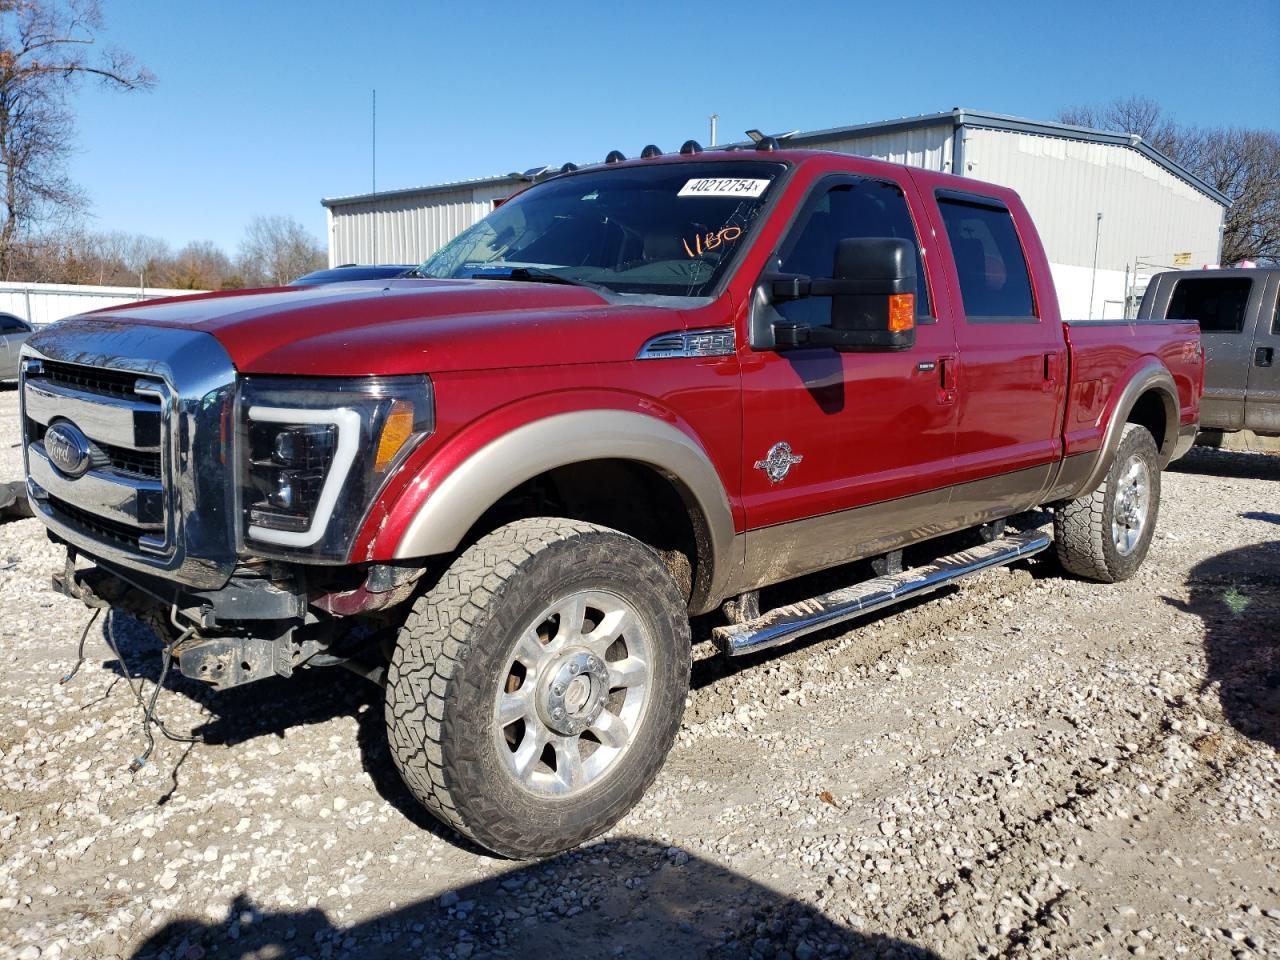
779	462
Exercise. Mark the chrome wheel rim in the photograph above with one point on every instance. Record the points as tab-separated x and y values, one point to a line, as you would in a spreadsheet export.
573	694
1130	507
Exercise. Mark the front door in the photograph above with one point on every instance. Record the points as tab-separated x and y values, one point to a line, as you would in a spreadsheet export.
828	432
1262	401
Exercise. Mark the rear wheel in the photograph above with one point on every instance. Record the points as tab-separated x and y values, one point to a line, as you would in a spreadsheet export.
534	692
1105	535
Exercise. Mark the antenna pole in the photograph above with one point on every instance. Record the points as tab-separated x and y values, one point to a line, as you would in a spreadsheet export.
714	118
373	169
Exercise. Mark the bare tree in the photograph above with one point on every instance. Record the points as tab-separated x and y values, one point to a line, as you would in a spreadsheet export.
1242	164
277	250
45	53
200	265
1140	115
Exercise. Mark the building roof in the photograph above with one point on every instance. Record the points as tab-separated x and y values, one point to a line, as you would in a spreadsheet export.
956	118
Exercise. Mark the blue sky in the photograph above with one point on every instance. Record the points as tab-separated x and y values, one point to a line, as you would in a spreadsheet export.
263	107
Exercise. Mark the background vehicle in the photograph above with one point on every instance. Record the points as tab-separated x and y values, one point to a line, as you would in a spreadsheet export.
1239	316
13	334
352	271
633	393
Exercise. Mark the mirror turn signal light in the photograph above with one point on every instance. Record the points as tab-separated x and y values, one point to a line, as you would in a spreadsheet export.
902	312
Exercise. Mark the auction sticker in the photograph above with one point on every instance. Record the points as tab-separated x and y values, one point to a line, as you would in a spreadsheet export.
723	187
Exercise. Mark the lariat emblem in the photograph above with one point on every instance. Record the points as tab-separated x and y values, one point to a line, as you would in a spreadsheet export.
779	462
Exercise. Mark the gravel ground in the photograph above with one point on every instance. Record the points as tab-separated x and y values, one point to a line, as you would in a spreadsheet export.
1024	766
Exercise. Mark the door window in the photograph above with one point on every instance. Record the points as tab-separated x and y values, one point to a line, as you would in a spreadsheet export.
850	209
994	283
11	324
1217	302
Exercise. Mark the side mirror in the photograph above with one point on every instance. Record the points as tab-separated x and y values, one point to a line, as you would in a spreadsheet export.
876	309
872	292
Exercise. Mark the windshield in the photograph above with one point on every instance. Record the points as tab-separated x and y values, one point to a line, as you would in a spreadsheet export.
670	228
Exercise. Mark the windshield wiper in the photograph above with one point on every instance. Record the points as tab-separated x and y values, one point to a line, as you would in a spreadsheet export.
536	275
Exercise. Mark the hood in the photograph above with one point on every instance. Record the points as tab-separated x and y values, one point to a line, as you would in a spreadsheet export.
408	326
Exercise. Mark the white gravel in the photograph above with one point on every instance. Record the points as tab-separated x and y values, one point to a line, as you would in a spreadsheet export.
1027	766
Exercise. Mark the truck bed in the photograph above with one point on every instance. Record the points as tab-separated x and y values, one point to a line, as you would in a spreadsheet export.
1105	353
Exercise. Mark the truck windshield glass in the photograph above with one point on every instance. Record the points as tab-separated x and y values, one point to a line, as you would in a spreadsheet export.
671	228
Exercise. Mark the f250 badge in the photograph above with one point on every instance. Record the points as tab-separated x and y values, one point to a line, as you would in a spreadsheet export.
779	462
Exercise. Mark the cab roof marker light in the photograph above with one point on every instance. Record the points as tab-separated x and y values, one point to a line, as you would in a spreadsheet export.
767	144
348	423
569	168
615	156
690	146
650	151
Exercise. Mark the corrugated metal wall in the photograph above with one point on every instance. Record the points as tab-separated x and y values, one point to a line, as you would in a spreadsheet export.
1147	212
410	227
927	147
42	303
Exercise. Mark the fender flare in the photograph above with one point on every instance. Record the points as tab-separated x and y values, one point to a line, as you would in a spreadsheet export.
1152	375
471	488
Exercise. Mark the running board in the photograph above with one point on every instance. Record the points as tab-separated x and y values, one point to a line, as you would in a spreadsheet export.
796	619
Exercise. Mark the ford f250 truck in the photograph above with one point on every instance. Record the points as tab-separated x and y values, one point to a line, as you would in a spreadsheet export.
1239	315
635	393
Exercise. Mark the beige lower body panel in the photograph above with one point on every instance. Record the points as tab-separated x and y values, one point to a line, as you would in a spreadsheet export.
788	550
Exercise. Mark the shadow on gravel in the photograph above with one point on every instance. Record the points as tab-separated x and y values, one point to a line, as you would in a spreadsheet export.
1237	596
620	898
270	708
1261	515
1227	463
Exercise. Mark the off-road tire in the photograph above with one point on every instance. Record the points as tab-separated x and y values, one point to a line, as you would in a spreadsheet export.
1082	528
452	651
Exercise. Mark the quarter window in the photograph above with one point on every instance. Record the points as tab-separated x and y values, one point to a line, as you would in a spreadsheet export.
1218	303
994	283
858	209
9	324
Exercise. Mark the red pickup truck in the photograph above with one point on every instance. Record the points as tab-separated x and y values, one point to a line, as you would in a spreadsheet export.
635	393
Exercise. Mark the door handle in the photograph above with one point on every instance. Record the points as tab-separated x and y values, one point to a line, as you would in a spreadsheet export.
1263	356
946	380
1050	370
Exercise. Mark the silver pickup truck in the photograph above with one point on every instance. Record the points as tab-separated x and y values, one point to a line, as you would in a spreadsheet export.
1240	327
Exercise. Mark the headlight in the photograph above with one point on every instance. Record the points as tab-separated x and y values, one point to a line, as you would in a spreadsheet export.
314	452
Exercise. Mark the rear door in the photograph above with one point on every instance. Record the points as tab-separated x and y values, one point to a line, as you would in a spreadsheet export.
1012	355
1221	304
1262	399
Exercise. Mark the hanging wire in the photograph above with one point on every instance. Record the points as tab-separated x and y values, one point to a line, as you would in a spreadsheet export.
68	677
148	706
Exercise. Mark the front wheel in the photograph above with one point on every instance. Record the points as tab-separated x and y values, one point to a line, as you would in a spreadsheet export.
1105	535
535	691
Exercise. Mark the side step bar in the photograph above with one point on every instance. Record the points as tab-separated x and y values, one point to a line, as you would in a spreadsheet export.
796	619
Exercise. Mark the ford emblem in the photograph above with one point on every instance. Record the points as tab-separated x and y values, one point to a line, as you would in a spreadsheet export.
68	449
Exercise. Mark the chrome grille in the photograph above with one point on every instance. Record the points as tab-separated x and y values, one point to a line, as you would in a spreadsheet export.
122	498
144	444
110	383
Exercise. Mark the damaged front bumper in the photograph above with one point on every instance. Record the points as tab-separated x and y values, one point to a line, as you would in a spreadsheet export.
265	622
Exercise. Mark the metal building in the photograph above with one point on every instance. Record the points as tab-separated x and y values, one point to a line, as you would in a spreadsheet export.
1111	210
